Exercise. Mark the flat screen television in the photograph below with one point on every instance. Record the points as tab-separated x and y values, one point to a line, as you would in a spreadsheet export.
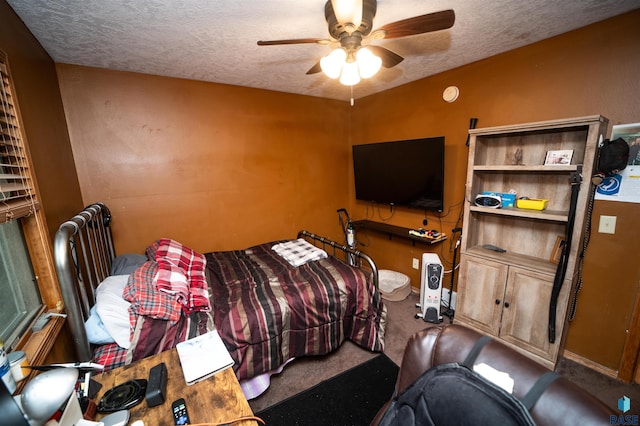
408	173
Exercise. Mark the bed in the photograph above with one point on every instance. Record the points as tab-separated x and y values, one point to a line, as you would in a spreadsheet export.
268	308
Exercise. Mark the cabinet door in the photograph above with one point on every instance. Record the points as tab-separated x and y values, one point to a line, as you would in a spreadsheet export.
480	293
525	318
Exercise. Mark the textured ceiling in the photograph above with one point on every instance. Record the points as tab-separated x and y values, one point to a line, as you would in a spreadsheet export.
215	40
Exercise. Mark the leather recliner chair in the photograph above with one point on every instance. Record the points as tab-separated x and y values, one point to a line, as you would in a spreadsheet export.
563	402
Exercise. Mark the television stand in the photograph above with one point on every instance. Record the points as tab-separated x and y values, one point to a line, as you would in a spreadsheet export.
396	231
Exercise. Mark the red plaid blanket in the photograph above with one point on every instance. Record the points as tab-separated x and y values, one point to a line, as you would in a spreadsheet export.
146	300
181	273
110	355
156	318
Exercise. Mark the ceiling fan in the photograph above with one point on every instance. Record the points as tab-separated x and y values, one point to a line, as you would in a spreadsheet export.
350	24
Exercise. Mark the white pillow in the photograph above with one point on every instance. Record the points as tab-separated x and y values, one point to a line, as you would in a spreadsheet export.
113	309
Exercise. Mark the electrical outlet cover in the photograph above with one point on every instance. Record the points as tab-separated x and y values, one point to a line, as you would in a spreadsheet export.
607	225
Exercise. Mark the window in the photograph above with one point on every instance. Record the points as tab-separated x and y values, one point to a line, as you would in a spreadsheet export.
27	280
20	299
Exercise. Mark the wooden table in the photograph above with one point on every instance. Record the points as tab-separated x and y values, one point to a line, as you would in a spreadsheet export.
216	399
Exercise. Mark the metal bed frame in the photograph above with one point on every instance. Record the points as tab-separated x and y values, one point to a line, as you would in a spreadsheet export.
84	252
346	253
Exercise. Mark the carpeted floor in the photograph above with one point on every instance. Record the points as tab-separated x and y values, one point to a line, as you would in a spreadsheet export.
305	373
350	398
605	388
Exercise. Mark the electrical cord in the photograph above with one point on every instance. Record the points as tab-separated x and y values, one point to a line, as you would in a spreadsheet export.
230	422
573	304
393	211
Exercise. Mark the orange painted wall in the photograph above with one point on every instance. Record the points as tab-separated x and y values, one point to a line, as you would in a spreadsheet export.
590	71
216	167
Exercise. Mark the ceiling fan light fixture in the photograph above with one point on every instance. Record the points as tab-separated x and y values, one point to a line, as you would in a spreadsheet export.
350	22
348	12
368	63
350	74
332	63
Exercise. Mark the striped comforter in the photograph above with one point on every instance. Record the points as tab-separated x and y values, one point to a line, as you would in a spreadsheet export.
268	311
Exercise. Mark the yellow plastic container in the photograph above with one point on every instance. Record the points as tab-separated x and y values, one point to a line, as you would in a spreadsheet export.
532	204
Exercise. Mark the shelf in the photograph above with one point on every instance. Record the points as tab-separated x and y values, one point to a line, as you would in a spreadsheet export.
397	231
531	263
557	125
540	168
550	215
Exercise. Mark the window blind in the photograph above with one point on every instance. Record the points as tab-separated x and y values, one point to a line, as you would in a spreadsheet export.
17	195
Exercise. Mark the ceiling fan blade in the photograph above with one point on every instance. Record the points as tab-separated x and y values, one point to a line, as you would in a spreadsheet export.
389	58
420	24
293	41
315	69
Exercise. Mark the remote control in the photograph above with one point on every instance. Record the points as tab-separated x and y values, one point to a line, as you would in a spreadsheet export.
180	415
494	248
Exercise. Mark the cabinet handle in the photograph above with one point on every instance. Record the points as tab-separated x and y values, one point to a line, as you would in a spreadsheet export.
497	301
506	304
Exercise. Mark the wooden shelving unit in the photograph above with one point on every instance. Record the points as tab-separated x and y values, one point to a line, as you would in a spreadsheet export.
507	294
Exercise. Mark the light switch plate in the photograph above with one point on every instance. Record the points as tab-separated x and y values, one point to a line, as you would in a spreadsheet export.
607	225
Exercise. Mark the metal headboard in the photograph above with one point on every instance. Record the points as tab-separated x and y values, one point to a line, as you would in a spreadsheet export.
83	253
349	255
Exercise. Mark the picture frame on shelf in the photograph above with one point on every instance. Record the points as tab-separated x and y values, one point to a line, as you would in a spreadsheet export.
561	157
556	253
